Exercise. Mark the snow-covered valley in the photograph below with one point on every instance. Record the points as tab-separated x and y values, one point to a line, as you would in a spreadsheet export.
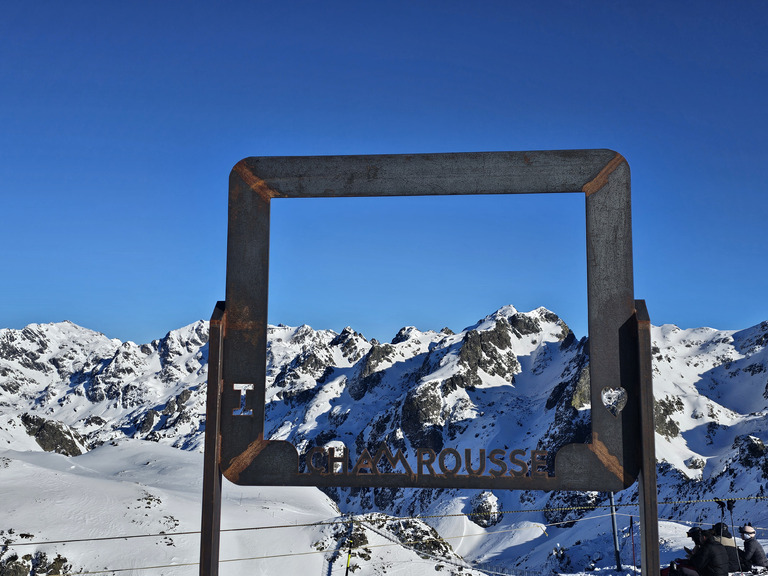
101	440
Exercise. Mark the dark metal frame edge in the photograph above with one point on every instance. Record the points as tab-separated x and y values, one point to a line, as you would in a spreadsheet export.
618	325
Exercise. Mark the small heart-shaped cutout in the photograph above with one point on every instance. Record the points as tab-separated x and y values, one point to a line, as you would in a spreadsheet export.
614	399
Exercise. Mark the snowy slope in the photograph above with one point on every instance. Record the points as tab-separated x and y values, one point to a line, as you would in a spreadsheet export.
128	421
151	490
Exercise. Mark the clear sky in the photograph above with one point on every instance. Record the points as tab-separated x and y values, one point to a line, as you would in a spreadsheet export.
120	122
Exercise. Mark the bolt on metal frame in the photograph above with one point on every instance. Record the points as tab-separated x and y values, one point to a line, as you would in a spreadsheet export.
622	442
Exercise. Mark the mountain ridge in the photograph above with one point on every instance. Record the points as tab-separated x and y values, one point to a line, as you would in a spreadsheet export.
513	379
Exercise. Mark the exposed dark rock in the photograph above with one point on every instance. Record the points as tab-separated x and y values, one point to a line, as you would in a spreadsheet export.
570	425
568	341
420	417
369	374
484	509
582	391
183	418
170	407
132	396
663	409
311	362
752	453
182	398
327	373
466	379
337	416
566	508
376	355
95	420
348	342
149	421
487	350
403	335
760	340
358	387
524	325
299	397
36	564
11	386
754	369
695	463
550	316
419	536
15	567
53	436
385	497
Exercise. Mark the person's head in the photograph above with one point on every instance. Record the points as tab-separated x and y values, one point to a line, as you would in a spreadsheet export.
706	535
694	534
721	529
747	532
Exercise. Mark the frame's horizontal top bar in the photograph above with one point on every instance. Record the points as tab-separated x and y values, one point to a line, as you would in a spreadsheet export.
427	174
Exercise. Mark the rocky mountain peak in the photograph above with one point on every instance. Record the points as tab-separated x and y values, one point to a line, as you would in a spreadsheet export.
513	380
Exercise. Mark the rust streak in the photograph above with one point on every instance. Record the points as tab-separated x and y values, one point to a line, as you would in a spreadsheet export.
241	462
244	325
610	461
254	182
644	321
602	178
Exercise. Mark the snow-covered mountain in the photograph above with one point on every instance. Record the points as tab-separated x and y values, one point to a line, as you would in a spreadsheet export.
123	419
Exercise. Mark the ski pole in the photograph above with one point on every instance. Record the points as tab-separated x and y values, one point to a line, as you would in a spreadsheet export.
730	504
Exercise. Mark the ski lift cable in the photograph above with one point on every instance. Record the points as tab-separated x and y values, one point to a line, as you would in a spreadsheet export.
369	546
347	520
394	542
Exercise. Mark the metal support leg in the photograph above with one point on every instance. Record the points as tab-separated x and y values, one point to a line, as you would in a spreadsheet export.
646	485
211	518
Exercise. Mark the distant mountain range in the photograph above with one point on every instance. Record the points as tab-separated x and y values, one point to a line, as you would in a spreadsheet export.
514	380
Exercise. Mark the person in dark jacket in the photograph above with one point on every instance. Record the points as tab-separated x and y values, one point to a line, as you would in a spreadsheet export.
682	566
754	555
722	535
710	559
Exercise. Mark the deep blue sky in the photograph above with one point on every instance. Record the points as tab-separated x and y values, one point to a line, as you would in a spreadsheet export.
120	122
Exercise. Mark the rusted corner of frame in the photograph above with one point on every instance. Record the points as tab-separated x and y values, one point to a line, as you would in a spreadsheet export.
599	182
243	171
643	318
610	462
590	466
274	461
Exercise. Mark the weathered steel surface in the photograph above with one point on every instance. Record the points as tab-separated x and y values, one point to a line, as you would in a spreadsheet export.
211	517
607	463
427	174
647	480
621	445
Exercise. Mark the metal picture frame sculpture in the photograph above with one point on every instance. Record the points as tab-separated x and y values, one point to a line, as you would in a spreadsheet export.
621	448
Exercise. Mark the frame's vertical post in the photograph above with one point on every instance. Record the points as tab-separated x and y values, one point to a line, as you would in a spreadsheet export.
244	355
649	519
611	304
211	520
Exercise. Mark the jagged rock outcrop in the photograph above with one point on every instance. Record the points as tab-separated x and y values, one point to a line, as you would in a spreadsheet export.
484	509
370	370
36	564
421	416
54	436
93	389
512	380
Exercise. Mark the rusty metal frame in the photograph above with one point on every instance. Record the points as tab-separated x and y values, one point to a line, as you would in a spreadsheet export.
622	443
